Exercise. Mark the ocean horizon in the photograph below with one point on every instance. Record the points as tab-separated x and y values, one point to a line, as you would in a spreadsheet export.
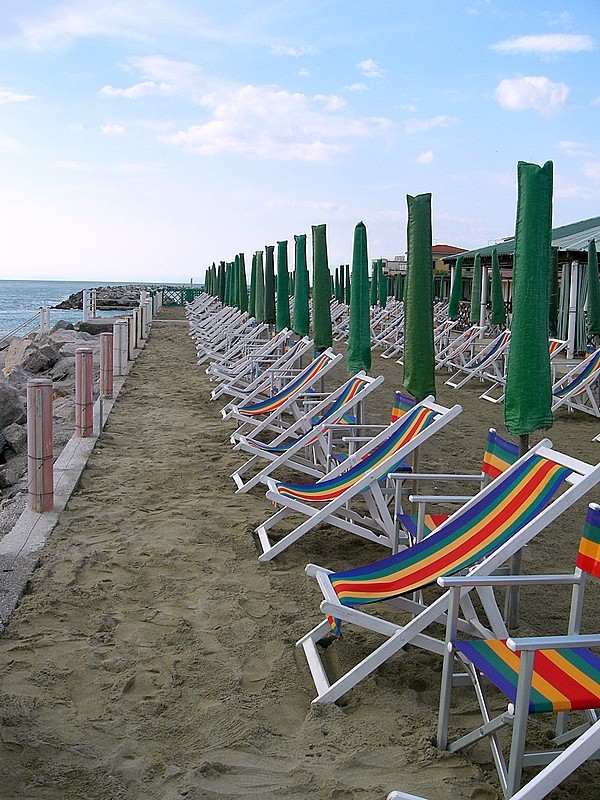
20	301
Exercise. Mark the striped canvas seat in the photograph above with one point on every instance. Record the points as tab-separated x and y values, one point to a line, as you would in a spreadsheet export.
465	538
413	422
498	455
537	674
588	371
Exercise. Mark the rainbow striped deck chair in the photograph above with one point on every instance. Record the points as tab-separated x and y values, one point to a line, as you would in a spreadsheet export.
269	414
304	445
578	389
498	455
330	499
488	364
477	539
540	674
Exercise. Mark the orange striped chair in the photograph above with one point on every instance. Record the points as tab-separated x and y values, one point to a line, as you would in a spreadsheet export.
477	539
549	674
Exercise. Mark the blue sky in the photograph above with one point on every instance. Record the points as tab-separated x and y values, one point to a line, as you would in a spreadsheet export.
145	139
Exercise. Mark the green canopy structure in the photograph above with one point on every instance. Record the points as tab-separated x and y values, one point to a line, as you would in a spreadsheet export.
243	285
283	294
348	283
270	314
498	306
593	310
419	352
300	316
358	354
259	300
252	297
322	331
456	291
342	280
528	398
476	292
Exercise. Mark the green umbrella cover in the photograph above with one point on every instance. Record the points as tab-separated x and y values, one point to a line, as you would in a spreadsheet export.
498	307
259	300
476	291
252	298
301	318
373	286
456	291
419	352
593	315
358	355
283	297
528	399
243	285
322	332
270	285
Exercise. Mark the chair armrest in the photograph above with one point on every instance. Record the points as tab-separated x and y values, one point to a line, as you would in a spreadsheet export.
530	643
456	581
439	498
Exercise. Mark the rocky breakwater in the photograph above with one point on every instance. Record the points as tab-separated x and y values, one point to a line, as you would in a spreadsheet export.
109	298
50	355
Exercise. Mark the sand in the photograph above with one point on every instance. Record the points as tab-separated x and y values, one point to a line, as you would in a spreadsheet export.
153	658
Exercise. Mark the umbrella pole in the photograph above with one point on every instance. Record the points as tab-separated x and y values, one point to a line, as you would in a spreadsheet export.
511	607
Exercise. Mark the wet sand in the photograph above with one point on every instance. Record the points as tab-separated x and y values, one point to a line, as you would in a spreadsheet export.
153	658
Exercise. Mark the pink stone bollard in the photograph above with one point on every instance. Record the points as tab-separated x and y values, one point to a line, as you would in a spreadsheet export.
40	466
84	396
106	364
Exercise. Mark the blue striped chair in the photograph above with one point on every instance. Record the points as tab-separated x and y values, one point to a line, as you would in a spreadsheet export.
548	674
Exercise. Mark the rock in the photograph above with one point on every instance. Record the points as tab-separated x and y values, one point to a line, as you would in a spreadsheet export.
32	356
18	378
63	409
12	406
62	325
16	438
12	472
64	369
97	325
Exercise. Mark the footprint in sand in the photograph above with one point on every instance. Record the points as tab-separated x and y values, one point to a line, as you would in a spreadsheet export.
256	670
255	608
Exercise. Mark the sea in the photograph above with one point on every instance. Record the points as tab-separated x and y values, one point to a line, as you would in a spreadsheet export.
20	302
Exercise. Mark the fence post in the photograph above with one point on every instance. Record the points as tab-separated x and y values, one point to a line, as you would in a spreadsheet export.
120	347
40	466
84	395
106	364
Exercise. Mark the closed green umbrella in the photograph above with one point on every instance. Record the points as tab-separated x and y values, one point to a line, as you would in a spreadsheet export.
348	285
593	311
554	294
322	332
476	291
528	399
222	281
270	315
283	295
336	285
498	307
259	300
228	293
373	286
252	297
243	284
381	284
301	317
456	291
358	354
419	353
342	279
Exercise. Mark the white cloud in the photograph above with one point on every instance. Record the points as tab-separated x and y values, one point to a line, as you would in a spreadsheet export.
295	52
8	143
426	157
565	188
591	169
419	125
143	89
535	92
574	149
357	87
304	73
545	44
370	68
113	128
331	102
8	96
275	124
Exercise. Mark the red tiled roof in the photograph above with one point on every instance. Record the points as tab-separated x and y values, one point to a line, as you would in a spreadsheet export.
446	250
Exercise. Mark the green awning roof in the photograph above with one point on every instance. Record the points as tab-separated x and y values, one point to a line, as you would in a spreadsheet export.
573	237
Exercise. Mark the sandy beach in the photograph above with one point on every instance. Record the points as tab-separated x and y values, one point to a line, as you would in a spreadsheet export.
153	658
